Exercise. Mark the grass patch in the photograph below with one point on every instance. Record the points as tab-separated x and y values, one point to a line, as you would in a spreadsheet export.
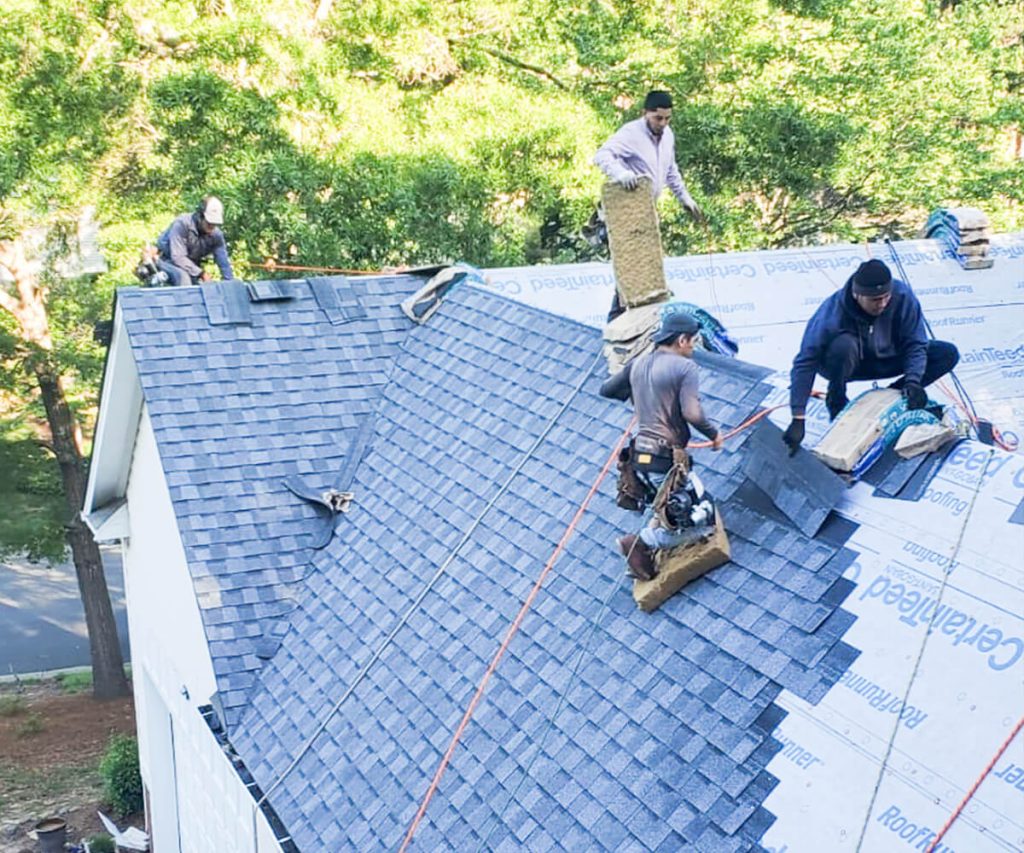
30	493
12	706
75	682
29	791
32	725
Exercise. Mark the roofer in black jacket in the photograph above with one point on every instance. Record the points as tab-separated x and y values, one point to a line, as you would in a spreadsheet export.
871	329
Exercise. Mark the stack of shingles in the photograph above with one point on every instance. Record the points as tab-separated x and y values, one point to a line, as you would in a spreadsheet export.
965	232
638	261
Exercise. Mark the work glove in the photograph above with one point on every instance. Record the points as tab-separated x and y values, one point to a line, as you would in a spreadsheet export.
916	398
628	181
835	401
694	211
794	435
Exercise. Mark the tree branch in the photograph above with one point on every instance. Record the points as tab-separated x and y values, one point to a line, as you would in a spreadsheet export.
8	302
525	66
12	256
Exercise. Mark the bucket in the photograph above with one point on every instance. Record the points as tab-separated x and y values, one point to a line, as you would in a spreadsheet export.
52	832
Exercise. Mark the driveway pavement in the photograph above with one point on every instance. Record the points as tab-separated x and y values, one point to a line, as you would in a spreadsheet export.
42	625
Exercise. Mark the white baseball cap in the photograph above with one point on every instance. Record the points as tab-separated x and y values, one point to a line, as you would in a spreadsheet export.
213	210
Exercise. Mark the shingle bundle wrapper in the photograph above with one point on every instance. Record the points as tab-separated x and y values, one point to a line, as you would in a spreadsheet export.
965	232
873	421
630	334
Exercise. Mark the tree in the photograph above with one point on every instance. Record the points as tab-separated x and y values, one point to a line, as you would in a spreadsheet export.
25	302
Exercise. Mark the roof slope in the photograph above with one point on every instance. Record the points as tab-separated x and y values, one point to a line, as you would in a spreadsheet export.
236	409
603	727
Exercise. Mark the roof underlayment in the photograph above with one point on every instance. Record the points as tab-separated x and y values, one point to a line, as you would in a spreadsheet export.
889	754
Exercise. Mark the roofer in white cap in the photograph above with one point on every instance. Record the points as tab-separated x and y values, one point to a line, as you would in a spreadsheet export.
189	240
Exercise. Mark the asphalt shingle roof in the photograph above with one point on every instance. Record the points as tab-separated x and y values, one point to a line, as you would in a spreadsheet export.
603	727
238	408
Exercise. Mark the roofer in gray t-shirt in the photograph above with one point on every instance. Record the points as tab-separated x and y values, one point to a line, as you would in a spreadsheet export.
664	387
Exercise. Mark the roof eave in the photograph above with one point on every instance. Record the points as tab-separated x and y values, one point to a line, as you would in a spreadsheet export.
117	423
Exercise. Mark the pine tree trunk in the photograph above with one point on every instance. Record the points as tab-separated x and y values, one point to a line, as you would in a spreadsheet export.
107	664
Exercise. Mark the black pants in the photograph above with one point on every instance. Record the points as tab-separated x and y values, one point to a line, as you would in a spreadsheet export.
616	308
842	364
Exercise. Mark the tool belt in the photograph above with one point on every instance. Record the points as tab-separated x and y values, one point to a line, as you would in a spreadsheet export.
637	461
676	479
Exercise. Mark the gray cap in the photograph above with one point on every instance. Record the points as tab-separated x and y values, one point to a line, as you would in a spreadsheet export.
676	324
213	210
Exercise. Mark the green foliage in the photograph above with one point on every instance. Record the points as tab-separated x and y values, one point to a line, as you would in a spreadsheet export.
413	131
12	706
119	769
75	682
101	843
31	489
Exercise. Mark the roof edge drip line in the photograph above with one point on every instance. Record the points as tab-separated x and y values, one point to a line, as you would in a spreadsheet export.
212	719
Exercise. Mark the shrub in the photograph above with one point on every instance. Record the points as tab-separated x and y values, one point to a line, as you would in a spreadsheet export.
101	843
12	706
119	769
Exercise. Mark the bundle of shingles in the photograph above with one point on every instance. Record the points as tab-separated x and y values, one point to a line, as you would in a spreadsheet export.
638	262
965	232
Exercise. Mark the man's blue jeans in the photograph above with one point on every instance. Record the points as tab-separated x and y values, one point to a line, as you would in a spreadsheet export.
177	277
656	537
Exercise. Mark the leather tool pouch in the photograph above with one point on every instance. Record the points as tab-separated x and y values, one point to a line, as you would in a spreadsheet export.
633	493
676	479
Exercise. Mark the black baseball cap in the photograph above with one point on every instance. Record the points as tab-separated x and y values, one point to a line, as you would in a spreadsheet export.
676	324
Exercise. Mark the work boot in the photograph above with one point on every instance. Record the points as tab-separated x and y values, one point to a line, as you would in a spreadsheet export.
639	556
835	401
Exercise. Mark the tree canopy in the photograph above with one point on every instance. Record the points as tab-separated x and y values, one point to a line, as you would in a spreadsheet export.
414	131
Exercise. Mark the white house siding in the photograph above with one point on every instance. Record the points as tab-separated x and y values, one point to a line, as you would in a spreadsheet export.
197	801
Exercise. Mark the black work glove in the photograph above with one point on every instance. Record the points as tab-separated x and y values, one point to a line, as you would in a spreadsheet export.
835	401
916	398
794	435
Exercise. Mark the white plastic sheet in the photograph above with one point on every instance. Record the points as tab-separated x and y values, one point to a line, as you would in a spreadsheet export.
883	760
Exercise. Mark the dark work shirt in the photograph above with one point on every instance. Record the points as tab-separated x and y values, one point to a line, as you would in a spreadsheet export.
898	332
185	246
665	388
